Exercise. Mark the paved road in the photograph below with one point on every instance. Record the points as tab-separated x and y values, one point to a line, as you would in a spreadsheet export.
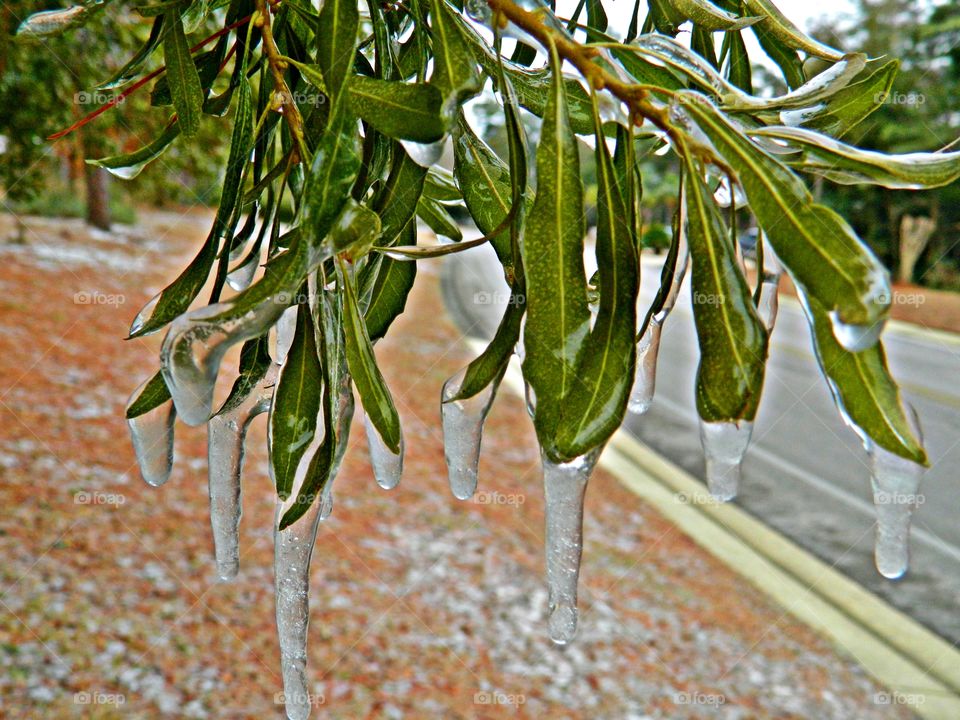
805	473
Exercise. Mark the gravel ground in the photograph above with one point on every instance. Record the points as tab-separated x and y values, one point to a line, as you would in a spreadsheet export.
422	606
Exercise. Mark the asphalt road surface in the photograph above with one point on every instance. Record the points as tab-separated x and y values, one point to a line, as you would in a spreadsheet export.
806	473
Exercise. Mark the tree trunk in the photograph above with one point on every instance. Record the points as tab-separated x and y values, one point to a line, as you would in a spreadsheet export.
915	233
98	206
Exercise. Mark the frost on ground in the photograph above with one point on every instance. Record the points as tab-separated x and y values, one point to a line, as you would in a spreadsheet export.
421	605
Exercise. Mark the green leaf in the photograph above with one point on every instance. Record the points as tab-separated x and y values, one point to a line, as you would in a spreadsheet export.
208	67
373	391
820	250
133	65
851	105
391	286
438	219
732	338
337	28
739	72
595	405
128	165
336	162
182	76
596	16
405	111
311	73
396	204
454	70
863	388
255	360
355	230
786	57
442	186
850	165
558	320
153	395
777	24
296	405
705	14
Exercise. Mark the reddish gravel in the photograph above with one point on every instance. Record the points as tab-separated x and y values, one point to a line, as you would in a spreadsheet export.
423	606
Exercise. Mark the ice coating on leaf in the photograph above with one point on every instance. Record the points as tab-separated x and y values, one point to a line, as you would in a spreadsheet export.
226	433
768	301
241	276
564	486
145	312
645	374
463	433
855	338
896	485
52	22
478	10
286	329
723	194
152	437
424	154
293	548
345	403
195	345
724	445
387	466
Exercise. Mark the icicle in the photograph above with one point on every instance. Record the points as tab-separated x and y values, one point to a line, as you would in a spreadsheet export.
648	349
645	374
152	436
241	276
387	467
463	432
855	338
145	312
226	433
424	154
565	485
896	494
724	445
768	302
345	405
293	548
286	329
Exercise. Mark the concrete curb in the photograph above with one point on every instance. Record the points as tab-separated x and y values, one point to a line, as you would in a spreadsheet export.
921	669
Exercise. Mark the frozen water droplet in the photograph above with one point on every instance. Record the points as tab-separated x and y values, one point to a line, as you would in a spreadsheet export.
152	437
769	301
463	433
293	548
645	374
286	329
387	466
226	433
724	445
855	338
896	484
241	276
145	312
564	486
530	399
723	196
478	10
424	154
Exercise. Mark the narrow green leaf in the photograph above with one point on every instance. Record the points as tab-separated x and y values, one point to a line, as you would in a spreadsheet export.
596	403
128	165
786	57
373	391
438	219
558	320
355	230
297	404
821	251
133	65
182	76
396	203
777	24
705	14
153	395
851	105
863	389
337	28
336	162
405	111
739	71
255	360
454	70
393	282
732	338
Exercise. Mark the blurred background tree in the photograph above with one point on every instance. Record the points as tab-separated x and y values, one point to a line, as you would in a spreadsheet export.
45	87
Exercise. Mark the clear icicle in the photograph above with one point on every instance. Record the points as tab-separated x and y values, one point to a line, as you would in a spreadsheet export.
293	548
152	437
387	466
855	338
565	485
768	302
286	329
724	445
463	433
145	312
896	494
241	276
226	433
645	374
648	349
345	405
